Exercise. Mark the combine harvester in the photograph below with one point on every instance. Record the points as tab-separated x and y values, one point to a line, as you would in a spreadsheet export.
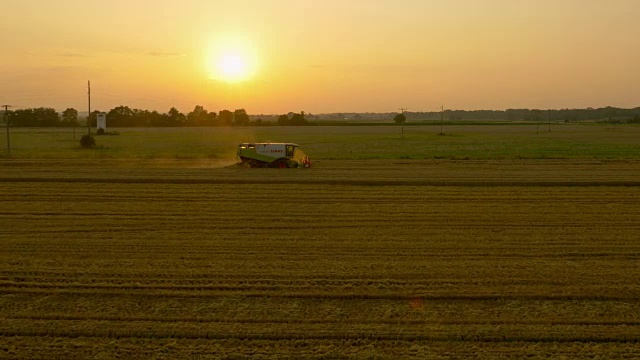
272	155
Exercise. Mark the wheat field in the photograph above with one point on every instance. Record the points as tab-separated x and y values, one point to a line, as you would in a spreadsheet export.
349	259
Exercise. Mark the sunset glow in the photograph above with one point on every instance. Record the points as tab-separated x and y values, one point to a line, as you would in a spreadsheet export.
329	56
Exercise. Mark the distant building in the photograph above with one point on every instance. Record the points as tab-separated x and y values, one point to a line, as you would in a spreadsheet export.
102	122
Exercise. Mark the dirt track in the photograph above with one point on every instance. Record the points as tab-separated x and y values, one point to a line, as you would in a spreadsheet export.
368	172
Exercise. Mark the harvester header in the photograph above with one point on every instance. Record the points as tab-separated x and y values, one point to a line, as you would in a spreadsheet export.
272	155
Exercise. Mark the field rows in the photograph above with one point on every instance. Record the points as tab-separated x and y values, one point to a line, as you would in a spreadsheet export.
489	332
139	270
43	347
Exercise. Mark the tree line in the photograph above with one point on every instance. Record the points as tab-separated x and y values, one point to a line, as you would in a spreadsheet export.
124	116
610	114
43	117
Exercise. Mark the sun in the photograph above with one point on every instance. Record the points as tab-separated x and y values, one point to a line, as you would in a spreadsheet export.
233	67
232	60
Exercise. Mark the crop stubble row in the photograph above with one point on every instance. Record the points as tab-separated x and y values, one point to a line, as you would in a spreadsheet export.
283	263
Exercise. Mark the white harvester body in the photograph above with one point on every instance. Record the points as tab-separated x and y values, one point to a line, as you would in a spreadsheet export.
278	155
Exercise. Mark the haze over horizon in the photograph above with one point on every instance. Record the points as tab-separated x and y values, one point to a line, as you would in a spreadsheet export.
321	56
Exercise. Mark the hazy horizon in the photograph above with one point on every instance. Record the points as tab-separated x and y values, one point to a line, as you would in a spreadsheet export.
322	57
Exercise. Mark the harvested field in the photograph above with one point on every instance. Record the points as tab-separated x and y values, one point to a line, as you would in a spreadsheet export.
351	259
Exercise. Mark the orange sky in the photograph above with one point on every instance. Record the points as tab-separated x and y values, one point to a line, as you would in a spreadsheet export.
323	56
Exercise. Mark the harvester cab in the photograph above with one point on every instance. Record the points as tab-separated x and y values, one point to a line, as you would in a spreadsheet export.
272	155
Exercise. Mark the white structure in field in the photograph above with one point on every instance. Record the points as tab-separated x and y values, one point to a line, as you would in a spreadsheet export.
102	122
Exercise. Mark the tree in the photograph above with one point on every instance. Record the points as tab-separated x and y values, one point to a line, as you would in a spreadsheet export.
70	117
176	118
157	119
87	141
298	119
46	116
211	119
292	119
241	118
611	114
121	116
283	120
400	119
35	117
141	118
198	117
225	118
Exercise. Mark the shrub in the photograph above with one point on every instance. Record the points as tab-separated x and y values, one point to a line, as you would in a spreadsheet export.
87	141
100	131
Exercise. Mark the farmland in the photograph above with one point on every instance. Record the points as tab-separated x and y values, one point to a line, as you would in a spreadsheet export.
460	142
515	252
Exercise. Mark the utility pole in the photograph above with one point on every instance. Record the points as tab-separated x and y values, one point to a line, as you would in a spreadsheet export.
89	116
6	121
441	120
402	125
